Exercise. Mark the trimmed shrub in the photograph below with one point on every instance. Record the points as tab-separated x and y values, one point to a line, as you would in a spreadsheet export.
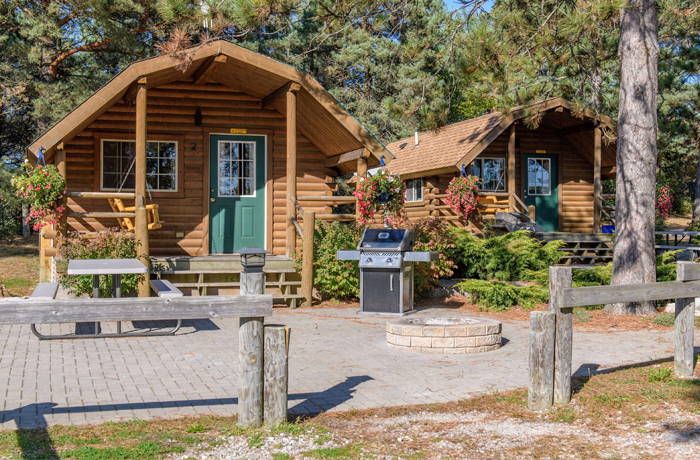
499	296
109	244
509	257
335	279
432	234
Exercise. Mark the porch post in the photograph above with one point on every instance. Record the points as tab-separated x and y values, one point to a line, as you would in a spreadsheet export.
141	218
291	170
597	184
511	169
361	174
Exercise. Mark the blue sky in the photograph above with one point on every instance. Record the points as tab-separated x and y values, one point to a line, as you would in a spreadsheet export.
452	4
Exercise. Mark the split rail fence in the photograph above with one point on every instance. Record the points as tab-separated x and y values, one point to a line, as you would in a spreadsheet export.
263	350
551	332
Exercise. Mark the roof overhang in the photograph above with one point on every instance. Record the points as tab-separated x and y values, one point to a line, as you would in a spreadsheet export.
318	111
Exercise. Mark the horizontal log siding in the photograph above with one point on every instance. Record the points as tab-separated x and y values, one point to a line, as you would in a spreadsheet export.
171	111
576	182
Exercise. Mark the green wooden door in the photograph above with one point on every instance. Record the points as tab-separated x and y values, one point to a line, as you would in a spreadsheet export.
542	189
236	193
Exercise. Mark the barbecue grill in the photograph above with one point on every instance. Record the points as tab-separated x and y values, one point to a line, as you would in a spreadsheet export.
386	269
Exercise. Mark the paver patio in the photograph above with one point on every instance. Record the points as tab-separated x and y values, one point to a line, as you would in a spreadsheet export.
338	361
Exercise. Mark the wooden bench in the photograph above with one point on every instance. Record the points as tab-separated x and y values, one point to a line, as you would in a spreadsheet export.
44	291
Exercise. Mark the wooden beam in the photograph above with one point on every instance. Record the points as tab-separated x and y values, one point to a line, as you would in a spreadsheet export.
291	171
130	94
141	215
205	71
346	157
603	295
278	94
597	183
575	129
307	267
511	170
134	309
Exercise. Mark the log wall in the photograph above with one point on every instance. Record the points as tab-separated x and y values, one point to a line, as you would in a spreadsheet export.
171	112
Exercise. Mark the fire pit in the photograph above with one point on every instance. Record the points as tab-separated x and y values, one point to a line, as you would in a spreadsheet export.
444	335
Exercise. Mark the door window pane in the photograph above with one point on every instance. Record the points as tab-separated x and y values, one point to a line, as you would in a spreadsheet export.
237	167
539	176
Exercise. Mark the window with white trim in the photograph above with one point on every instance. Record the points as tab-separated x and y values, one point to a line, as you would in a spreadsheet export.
414	190
491	173
119	169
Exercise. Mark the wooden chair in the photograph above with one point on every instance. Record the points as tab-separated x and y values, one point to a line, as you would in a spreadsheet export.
127	223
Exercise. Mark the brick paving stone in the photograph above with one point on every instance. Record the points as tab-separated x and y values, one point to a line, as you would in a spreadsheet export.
338	361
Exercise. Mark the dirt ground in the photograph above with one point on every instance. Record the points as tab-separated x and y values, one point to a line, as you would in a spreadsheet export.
678	221
19	265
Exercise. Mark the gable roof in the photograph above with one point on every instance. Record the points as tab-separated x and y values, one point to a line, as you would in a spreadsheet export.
320	117
444	150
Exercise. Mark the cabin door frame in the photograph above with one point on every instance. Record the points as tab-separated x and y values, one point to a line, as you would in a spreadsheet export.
238	232
546	202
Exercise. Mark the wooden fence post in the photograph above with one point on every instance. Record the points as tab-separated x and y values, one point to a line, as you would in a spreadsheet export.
307	263
560	279
531	213
684	326
250	357
276	374
541	380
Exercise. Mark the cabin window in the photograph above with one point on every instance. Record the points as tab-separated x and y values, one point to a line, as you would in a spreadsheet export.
119	170
414	190
491	173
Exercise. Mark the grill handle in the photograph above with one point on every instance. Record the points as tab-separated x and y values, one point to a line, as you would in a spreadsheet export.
391	283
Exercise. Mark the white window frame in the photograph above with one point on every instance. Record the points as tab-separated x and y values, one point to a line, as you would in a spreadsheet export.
527	175
164	141
254	163
418	180
481	177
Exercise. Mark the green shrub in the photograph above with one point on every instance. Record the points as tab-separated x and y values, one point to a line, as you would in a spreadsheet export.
664	319
509	257
499	296
109	244
335	279
432	234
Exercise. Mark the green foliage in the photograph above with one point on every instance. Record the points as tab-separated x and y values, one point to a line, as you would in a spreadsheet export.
498	296
43	187
659	374
432	235
335	279
582	315
510	257
10	205
664	319
108	244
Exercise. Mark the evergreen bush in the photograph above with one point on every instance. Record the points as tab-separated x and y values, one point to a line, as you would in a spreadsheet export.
432	234
500	296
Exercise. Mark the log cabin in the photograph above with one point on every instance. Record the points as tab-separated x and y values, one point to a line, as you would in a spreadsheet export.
238	150
553	172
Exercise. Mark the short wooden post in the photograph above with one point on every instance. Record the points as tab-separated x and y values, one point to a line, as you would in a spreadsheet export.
44	258
250	357
531	213
141	215
684	327
276	374
540	389
560	278
307	263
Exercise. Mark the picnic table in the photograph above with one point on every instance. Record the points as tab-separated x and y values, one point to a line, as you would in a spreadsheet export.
106	267
678	241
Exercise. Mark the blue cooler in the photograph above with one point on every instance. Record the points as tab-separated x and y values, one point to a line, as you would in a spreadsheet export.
608	228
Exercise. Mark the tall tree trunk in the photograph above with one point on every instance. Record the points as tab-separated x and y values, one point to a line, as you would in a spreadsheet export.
696	202
26	228
633	260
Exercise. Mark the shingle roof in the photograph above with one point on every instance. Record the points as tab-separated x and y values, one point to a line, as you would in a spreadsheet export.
440	148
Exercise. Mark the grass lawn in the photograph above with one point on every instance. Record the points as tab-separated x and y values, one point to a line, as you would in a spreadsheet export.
635	412
19	265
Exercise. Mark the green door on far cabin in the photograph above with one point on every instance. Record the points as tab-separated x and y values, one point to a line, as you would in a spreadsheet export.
236	192
542	189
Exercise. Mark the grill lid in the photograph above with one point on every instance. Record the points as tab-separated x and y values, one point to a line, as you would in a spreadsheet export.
387	239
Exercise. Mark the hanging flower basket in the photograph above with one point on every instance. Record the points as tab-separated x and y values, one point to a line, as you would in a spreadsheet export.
382	192
44	188
463	195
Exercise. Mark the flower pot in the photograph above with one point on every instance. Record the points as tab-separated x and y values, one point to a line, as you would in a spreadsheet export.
384	197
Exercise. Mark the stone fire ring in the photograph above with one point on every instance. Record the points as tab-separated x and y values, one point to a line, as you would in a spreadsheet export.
444	335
